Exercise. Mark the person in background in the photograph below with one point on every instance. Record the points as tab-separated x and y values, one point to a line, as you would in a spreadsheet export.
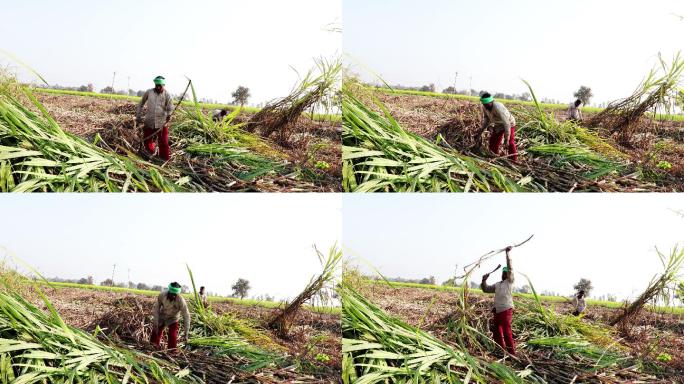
219	114
496	115
156	119
203	296
503	305
168	308
574	112
579	303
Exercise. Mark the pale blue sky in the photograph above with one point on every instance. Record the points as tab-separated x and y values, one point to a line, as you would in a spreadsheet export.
608	45
265	238
220	44
607	238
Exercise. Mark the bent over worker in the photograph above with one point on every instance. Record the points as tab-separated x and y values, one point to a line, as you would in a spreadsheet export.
167	312
579	303
574	112
156	119
501	120
503	305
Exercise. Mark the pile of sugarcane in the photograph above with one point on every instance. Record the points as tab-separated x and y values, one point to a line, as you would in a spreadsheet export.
379	155
658	288
37	155
319	286
658	92
38	347
317	91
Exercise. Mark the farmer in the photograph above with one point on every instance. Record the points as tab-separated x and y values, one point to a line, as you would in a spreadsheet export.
167	312
503	305
156	120
574	113
503	123
220	114
579	303
203	296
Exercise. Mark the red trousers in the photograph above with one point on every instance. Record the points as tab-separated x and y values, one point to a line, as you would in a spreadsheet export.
503	335
162	136
495	143
172	336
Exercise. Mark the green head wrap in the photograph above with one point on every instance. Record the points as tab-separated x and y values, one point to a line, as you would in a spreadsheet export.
159	80
505	269
487	100
174	290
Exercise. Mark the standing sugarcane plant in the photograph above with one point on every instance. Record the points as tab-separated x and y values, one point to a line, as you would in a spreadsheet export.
319	286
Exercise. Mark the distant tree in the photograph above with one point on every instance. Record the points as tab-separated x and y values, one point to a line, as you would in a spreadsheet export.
131	92
525	289
526	96
450	90
241	95
107	89
185	289
91	88
265	297
142	286
428	88
427	280
131	285
584	94
240	288
157	288
82	280
107	283
83	88
584	285
91	281
474	285
611	297
140	93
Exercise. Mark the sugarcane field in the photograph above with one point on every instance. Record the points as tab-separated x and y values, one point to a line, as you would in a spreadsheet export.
197	112
177	310
536	308
449	115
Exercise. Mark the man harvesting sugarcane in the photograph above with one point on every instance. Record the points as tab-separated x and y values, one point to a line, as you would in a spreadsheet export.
157	117
496	115
203	296
503	305
167	312
579	303
574	112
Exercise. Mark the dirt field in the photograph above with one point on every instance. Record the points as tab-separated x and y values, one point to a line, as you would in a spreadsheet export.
125	318
431	310
309	143
459	120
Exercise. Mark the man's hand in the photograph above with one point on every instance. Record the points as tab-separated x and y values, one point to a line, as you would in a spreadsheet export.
508	249
485	276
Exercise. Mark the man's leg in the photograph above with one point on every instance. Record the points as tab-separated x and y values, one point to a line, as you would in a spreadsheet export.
164	150
149	138
498	332
512	148
173	336
495	141
506	318
156	336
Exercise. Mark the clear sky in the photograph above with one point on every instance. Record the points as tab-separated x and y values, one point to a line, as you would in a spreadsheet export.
220	44
264	238
608	45
607	238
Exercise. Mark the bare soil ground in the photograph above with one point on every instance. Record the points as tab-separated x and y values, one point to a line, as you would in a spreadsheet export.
649	335
459	120
125	318
309	142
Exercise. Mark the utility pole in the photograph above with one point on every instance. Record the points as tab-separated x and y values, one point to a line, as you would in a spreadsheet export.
470	84
129	276
455	77
113	269
113	78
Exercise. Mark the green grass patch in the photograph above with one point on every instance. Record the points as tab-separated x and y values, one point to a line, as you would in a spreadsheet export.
530	296
212	299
